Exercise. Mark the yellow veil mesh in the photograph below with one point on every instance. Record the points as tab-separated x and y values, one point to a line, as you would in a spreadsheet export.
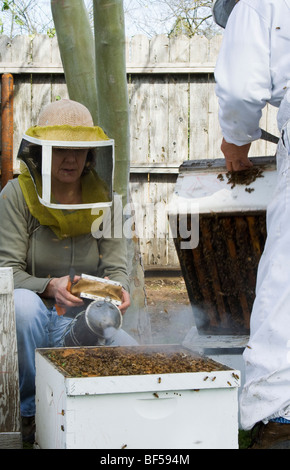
65	223
66	132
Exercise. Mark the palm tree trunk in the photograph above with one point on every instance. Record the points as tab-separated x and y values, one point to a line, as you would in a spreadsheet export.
110	56
76	44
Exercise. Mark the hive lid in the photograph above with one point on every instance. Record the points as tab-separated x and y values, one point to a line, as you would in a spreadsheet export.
218	164
203	186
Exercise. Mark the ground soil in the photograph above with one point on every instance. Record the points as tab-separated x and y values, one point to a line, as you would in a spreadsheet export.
169	308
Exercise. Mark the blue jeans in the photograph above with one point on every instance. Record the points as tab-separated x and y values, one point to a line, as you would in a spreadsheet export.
40	327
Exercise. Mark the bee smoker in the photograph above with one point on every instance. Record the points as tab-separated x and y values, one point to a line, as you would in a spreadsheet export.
99	322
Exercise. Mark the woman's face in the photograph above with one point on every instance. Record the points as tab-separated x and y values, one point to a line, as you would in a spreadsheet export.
67	164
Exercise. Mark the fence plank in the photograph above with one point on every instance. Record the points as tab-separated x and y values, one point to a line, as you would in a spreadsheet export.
178	113
198	118
159	49
22	112
139	120
5	49
139	51
198	49
159	119
179	49
10	425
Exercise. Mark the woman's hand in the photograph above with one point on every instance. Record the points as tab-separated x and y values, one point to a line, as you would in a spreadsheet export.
57	288
125	300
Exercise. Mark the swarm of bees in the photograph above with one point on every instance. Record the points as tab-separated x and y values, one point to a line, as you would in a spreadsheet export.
100	362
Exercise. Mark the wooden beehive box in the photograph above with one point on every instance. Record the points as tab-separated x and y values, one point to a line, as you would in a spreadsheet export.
230	231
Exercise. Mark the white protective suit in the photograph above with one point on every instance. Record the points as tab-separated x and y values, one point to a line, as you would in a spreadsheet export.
253	68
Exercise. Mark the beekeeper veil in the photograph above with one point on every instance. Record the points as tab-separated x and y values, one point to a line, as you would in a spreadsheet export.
221	11
66	124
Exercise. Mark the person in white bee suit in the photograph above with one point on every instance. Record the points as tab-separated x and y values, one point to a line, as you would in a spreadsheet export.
253	69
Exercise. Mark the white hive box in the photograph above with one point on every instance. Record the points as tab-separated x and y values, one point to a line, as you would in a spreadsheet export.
192	410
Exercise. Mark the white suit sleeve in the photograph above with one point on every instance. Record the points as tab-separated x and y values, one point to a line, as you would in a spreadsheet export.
243	79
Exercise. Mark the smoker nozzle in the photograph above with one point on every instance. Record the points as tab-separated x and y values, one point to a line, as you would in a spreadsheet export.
103	318
97	325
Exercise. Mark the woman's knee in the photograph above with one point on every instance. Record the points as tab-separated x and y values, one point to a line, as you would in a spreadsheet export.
27	304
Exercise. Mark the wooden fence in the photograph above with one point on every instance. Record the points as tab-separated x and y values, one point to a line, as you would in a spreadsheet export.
173	116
